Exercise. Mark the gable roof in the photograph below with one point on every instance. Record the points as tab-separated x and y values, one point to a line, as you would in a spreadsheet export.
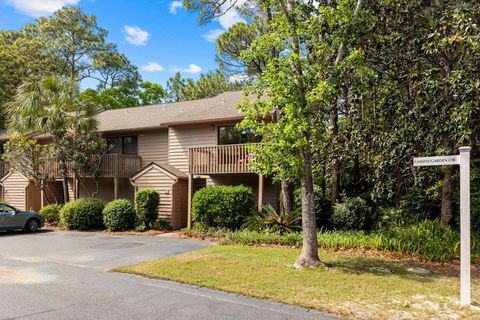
219	108
167	169
5	177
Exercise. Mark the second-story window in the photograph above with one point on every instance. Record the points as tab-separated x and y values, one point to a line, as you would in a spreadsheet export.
123	145
231	135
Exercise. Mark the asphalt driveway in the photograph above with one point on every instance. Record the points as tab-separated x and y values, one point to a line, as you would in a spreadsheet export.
65	275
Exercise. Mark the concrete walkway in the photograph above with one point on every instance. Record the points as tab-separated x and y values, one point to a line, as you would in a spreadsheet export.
65	275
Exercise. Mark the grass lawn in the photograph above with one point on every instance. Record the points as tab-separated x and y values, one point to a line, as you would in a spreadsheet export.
351	288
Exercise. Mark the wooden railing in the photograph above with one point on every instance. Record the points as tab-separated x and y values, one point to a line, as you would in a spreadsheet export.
232	158
111	165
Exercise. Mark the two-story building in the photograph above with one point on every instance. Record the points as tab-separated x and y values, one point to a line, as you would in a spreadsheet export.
175	148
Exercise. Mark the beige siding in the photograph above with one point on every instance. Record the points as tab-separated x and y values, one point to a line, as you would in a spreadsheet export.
180	138
180	204
14	190
71	194
161	182
153	147
270	191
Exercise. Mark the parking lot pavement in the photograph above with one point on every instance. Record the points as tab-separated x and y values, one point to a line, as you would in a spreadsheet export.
65	275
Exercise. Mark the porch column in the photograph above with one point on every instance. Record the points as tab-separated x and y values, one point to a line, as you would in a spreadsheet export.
260	192
75	187
42	195
190	193
115	188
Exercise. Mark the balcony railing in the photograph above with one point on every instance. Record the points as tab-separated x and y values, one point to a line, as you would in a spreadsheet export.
111	166
232	158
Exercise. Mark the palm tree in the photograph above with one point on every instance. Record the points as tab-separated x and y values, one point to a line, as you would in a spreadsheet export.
52	107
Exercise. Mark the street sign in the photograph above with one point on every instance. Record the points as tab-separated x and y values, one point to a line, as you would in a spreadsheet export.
464	161
436	161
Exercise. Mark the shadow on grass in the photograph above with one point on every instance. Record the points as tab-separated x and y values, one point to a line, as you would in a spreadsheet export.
365	265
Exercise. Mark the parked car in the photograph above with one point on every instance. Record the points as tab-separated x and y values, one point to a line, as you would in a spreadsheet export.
13	219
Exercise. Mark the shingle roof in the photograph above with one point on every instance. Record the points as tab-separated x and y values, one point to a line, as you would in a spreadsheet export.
221	107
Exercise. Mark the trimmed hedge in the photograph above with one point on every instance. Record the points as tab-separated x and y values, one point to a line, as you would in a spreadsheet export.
146	206
223	206
51	213
119	215
82	214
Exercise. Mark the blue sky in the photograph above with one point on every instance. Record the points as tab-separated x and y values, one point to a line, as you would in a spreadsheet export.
159	37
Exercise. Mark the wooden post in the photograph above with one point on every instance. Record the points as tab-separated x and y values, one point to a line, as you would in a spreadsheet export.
260	192
190	193
115	188
42	195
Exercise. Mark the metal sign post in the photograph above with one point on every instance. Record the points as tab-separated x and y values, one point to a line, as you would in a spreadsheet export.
464	161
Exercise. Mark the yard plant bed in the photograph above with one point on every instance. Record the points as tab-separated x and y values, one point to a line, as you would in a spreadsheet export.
355	287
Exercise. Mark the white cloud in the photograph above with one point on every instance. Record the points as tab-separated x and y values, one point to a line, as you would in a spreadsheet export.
213	35
136	36
152	67
192	68
39	8
230	18
174	5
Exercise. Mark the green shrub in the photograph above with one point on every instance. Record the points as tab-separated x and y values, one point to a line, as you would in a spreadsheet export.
426	239
160	225
420	204
223	206
323	207
119	215
271	220
82	214
51	213
146	206
352	214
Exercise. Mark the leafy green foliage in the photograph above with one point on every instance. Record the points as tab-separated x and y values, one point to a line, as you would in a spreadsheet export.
27	156
51	213
352	214
125	97
208	85
146	206
271	220
119	215
427	239
222	206
82	214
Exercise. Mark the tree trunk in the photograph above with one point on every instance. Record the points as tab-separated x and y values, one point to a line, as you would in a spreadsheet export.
286	196
65	182
334	175
447	192
309	255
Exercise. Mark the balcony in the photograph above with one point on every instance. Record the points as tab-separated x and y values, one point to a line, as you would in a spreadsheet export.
220	159
111	166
